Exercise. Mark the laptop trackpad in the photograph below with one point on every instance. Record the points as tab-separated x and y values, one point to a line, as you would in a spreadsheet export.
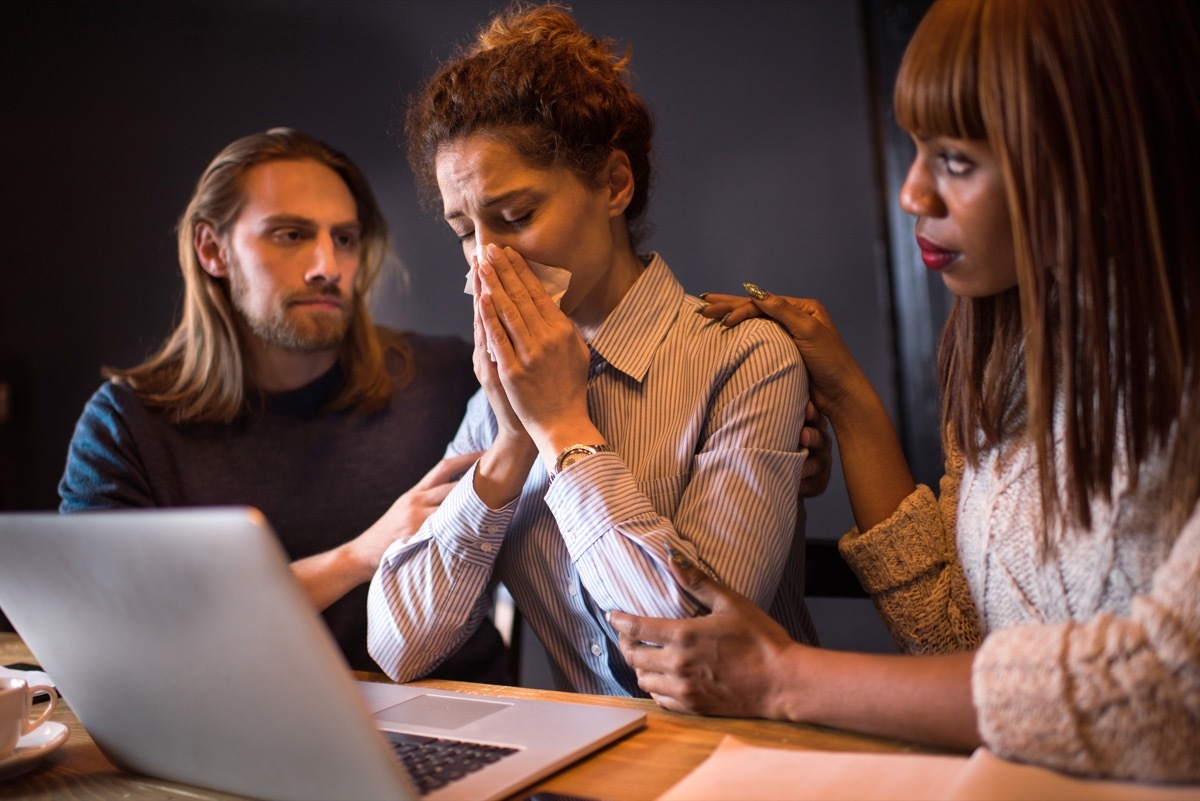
439	711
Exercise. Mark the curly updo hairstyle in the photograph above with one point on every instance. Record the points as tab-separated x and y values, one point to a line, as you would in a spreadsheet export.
533	79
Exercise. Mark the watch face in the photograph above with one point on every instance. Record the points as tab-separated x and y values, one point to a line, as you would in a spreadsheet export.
575	453
573	457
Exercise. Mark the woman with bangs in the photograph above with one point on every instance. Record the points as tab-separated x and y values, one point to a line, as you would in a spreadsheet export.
1046	598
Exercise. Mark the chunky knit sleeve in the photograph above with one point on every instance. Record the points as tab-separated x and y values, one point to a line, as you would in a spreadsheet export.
1114	695
909	565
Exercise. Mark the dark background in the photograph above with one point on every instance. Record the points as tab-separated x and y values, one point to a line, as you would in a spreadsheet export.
776	163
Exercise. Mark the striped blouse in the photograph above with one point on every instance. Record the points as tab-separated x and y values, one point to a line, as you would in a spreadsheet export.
704	422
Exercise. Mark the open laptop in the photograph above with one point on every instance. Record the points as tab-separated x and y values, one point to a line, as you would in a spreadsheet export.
189	652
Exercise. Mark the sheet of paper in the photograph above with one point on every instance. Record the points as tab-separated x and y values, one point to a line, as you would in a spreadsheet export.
987	777
741	772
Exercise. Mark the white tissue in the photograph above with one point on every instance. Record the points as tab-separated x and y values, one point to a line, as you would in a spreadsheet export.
554	279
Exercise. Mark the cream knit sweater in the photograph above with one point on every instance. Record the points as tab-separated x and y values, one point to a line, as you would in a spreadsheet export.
1088	659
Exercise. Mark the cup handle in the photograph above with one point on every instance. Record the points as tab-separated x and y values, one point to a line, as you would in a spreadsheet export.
32	725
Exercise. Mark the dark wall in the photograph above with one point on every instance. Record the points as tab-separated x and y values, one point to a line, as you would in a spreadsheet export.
112	109
920	301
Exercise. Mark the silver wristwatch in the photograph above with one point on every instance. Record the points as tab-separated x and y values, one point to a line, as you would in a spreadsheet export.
575	453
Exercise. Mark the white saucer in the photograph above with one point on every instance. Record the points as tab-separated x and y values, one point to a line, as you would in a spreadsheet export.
33	748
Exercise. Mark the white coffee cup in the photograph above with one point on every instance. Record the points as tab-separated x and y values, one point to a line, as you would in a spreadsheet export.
16	701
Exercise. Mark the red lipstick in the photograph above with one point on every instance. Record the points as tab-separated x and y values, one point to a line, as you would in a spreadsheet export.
935	257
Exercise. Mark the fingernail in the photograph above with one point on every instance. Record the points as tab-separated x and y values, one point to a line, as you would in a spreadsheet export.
608	617
703	296
492	251
700	310
725	319
678	558
755	291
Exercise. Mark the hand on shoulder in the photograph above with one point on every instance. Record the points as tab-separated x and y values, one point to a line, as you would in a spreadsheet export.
835	376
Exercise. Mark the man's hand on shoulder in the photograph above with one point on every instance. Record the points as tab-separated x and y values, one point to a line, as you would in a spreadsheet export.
408	513
328	576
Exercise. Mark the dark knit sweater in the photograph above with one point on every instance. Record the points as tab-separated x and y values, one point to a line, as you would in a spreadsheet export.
321	478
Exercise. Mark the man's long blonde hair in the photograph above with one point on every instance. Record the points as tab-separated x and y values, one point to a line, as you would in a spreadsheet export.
199	373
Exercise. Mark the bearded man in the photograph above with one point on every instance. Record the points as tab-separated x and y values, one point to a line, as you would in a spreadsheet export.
276	390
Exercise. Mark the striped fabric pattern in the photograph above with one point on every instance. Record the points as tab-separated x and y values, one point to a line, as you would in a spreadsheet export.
704	422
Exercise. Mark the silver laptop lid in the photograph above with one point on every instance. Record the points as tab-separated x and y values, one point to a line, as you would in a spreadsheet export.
182	642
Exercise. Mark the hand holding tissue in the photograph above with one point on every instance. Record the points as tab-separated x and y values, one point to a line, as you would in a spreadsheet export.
554	279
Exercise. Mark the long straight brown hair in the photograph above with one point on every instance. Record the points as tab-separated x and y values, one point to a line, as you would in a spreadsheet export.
1092	108
199	373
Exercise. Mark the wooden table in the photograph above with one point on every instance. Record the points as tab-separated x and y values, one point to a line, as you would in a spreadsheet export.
640	766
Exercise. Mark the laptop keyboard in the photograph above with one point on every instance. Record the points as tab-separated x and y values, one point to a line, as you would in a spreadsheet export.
433	762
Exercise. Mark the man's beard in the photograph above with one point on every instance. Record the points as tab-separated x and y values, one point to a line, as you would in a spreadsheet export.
284	328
